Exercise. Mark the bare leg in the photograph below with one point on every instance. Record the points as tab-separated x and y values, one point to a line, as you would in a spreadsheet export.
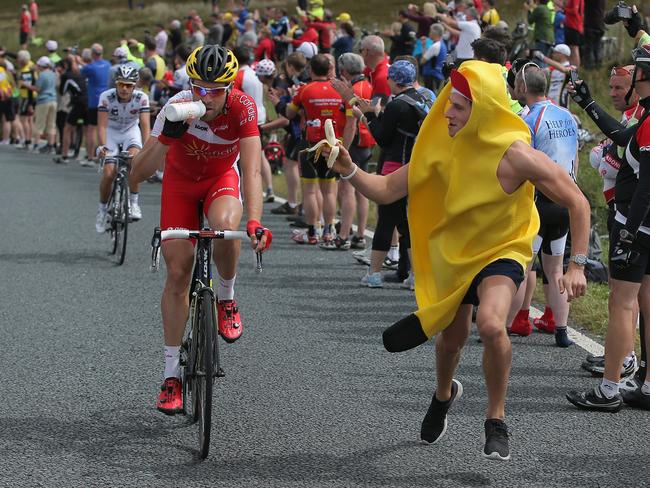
519	297
225	214
292	175
267	175
449	344
108	176
328	191
348	207
623	299
174	304
362	213
91	141
556	300
310	202
495	295
531	284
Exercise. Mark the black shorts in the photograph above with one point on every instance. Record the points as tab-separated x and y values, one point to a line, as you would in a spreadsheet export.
315	171
23	37
360	156
640	266
91	116
7	110
77	115
26	107
553	227
572	37
293	147
501	267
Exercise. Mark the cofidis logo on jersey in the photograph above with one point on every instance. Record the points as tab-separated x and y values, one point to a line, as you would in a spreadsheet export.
198	150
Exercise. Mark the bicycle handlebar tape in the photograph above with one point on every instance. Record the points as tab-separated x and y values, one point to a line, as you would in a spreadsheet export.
460	219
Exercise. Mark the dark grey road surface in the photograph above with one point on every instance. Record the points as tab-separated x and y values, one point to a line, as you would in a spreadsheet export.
310	399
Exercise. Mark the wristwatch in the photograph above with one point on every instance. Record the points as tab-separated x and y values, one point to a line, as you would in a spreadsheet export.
579	259
625	234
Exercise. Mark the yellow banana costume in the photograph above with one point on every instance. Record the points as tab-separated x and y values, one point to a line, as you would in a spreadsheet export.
460	219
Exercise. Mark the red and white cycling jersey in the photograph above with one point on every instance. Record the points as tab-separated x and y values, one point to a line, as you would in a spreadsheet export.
210	149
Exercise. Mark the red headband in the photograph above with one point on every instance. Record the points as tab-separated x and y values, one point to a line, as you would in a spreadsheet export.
460	83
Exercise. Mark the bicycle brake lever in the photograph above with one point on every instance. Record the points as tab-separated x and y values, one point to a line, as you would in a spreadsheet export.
258	267
155	250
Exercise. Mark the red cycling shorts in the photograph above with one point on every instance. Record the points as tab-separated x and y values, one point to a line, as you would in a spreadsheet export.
181	196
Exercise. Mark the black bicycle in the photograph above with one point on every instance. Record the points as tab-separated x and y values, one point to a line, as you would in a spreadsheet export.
118	206
200	361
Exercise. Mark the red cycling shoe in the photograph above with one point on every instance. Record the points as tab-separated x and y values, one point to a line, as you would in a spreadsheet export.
521	326
170	399
230	326
546	323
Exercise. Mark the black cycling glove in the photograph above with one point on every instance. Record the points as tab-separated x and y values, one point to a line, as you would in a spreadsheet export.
582	95
634	24
623	255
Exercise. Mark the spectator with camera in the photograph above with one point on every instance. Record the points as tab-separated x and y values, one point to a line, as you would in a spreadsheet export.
629	255
467	30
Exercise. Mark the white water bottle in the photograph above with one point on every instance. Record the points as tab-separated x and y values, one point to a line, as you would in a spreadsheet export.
183	111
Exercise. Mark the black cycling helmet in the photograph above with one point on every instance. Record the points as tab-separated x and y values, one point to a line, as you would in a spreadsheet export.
641	58
516	66
212	63
127	74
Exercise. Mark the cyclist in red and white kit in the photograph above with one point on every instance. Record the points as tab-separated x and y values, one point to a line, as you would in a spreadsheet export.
200	160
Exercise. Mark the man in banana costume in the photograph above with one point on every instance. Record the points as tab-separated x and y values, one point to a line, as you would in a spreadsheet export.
472	220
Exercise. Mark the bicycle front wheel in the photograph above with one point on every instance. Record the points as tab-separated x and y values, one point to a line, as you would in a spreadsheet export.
202	384
122	223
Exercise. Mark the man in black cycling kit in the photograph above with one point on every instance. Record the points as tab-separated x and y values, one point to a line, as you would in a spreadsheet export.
629	254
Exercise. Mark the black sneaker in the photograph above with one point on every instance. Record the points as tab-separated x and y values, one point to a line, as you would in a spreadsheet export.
389	263
496	440
284	209
358	242
594	359
434	424
598	368
636	398
595	400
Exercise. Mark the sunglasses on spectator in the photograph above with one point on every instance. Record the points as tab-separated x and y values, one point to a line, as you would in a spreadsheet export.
201	91
620	71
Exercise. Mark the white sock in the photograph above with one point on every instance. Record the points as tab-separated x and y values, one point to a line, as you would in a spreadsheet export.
225	288
134	198
172	366
645	388
609	388
293	204
103	206
393	254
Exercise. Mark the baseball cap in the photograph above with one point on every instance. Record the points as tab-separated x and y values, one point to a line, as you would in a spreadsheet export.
51	45
402	72
344	17
265	67
562	49
120	52
44	62
309	49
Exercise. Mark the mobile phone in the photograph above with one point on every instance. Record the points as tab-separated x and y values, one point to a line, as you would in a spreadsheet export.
573	77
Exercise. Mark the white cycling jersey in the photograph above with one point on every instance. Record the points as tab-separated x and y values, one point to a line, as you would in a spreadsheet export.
122	116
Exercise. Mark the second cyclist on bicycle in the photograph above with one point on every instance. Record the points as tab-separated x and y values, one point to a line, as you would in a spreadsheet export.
123	121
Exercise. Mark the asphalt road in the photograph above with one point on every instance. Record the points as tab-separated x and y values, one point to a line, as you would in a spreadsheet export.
310	398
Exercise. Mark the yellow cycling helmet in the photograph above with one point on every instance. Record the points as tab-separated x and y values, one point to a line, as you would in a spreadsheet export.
212	63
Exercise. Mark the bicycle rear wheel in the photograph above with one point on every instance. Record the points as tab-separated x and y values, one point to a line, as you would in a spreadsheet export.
203	379
122	223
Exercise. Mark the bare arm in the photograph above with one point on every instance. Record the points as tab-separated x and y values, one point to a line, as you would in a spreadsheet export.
525	163
278	123
350	131
250	150
102	124
145	125
147	161
381	189
449	21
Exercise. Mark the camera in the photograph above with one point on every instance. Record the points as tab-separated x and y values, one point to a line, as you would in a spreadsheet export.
621	11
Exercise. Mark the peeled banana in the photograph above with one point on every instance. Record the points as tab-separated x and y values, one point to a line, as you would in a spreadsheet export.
331	141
